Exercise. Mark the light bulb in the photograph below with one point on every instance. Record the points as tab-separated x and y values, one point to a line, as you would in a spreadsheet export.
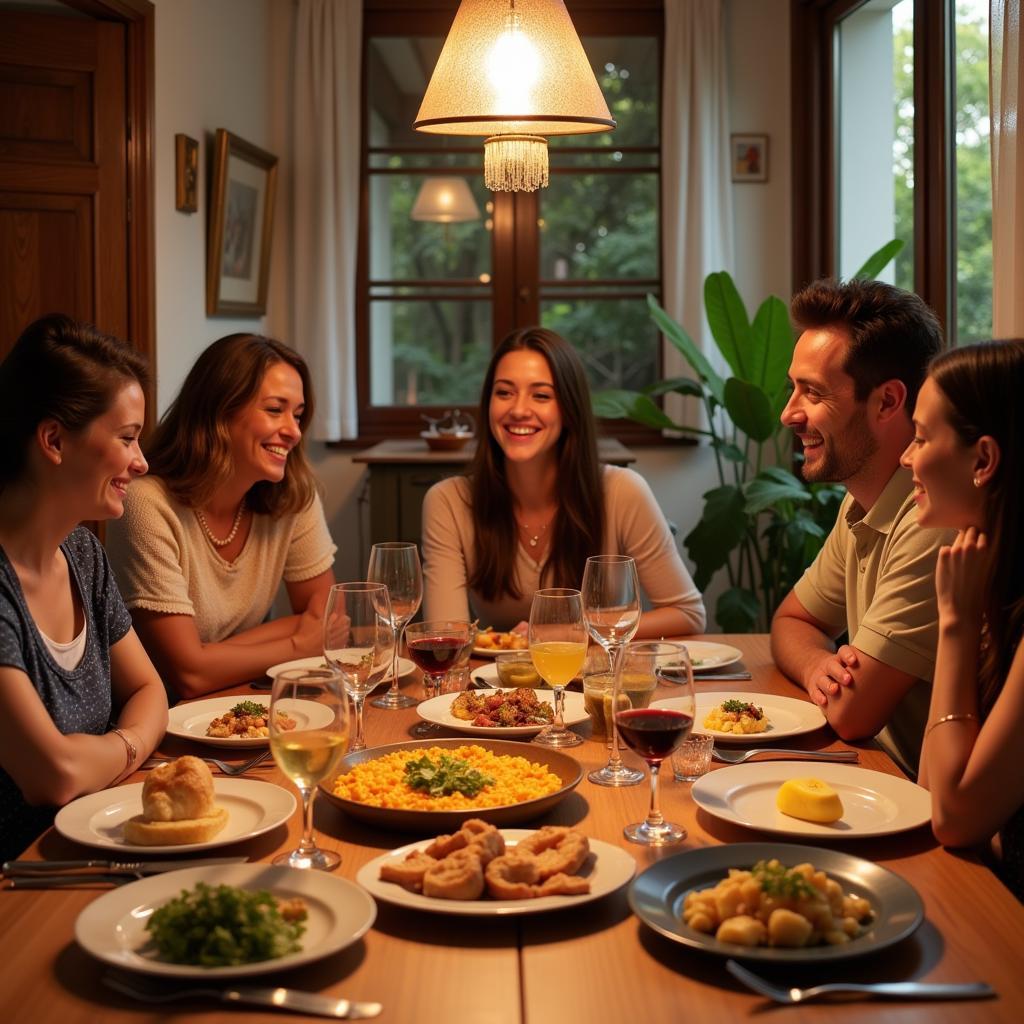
513	65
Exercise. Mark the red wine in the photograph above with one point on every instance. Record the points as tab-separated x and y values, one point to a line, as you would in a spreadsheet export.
653	732
436	654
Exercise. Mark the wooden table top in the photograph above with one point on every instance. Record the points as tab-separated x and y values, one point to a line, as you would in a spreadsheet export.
590	965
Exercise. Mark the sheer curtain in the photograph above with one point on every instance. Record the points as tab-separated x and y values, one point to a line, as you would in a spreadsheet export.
696	194
1006	87
325	200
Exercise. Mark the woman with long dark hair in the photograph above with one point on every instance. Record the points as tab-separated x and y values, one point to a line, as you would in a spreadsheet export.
229	510
80	702
537	502
968	463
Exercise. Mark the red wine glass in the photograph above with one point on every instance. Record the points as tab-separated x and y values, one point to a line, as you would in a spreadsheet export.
435	648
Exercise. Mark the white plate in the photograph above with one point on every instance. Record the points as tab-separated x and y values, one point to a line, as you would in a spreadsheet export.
874	803
707	656
787	716
608	868
405	666
438	711
190	721
98	819
113	927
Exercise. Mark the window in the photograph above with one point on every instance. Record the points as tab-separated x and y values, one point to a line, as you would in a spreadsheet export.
439	291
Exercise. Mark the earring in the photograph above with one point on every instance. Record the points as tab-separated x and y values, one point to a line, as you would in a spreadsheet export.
977	481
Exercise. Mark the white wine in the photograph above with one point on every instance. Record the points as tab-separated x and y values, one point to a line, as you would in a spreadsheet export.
311	755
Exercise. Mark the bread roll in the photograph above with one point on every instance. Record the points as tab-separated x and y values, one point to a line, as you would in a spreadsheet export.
177	806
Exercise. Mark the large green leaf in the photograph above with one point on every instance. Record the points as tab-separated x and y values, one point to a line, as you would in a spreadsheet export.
682	341
728	450
633	405
721	528
771	486
679	385
773	344
737	611
877	261
750	409
727	318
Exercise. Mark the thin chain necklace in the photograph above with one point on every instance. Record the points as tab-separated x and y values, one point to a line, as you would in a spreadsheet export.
216	541
533	539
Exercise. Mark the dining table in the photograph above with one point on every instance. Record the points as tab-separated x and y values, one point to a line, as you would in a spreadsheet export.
597	963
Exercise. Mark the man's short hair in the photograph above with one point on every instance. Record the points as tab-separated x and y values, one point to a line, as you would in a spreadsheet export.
893	334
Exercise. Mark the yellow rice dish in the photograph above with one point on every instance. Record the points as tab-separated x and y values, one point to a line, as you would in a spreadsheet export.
382	782
737	717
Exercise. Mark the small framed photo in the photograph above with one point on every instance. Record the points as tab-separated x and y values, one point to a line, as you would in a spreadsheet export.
186	174
749	157
241	226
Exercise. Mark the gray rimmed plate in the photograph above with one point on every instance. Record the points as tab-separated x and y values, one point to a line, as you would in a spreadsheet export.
565	767
657	896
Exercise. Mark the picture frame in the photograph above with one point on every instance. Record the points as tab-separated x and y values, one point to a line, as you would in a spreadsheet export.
748	156
186	174
243	184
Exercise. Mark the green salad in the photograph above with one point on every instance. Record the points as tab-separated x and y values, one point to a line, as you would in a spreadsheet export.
223	926
449	775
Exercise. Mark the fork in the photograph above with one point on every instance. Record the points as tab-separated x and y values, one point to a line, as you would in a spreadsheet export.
890	989
739	756
222	766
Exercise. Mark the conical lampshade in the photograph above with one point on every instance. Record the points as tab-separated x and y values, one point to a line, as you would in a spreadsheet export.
445	201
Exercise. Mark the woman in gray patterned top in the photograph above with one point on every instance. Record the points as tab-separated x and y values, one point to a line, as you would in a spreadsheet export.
80	702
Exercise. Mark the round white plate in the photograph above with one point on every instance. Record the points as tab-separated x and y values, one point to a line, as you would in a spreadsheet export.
405	666
113	927
707	656
98	819
190	721
874	803
608	868
438	711
787	716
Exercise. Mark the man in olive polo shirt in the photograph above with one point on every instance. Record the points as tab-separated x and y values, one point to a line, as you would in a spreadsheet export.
856	370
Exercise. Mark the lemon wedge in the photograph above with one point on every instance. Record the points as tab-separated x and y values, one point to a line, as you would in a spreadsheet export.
810	800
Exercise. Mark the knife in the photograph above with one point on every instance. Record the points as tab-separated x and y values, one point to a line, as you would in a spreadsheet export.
700	677
37	868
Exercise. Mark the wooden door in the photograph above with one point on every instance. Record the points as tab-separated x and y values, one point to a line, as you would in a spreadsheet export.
64	198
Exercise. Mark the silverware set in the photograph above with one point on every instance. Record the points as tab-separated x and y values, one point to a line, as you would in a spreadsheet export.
739	756
53	874
222	766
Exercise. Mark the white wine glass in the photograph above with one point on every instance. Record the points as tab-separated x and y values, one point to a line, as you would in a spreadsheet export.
308	732
654	733
558	647
611	607
359	642
396	564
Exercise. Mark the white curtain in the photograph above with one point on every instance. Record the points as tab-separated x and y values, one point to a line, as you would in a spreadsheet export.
1007	88
696	194
325	141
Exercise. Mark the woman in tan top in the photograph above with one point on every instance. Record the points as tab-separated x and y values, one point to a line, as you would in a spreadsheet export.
537	503
230	509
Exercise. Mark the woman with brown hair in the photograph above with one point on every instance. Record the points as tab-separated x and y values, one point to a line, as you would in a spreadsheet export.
537	502
229	510
80	702
968	463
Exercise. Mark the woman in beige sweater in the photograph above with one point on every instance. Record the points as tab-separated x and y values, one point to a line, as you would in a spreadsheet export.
537	503
229	510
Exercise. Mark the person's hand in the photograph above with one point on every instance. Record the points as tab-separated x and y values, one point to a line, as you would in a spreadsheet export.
826	679
522	628
961	575
308	638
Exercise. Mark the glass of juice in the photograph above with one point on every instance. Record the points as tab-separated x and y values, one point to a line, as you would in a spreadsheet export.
308	732
558	648
515	669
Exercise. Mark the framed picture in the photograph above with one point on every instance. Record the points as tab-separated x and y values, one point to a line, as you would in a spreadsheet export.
241	225
749	154
186	174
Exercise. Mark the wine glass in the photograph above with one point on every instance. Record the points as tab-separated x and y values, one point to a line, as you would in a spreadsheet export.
611	607
308	732
397	565
436	647
655	732
359	641
558	647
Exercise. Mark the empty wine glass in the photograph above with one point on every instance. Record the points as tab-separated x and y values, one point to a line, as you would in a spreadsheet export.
396	564
611	607
655	732
308	731
436	647
359	641
558	647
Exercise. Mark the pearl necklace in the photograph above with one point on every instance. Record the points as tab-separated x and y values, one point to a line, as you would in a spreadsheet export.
216	542
533	539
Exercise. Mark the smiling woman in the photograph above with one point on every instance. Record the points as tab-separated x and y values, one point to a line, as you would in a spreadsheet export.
230	510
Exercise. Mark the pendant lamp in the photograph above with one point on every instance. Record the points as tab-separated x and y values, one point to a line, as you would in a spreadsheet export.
445	201
514	71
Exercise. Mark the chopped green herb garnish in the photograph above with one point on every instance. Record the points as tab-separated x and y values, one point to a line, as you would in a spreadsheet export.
740	706
778	880
248	707
449	775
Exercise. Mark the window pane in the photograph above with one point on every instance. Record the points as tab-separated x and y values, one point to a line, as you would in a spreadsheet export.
973	175
875	141
430	352
397	71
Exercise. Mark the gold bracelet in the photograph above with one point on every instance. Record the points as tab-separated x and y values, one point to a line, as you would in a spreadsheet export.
130	747
965	717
